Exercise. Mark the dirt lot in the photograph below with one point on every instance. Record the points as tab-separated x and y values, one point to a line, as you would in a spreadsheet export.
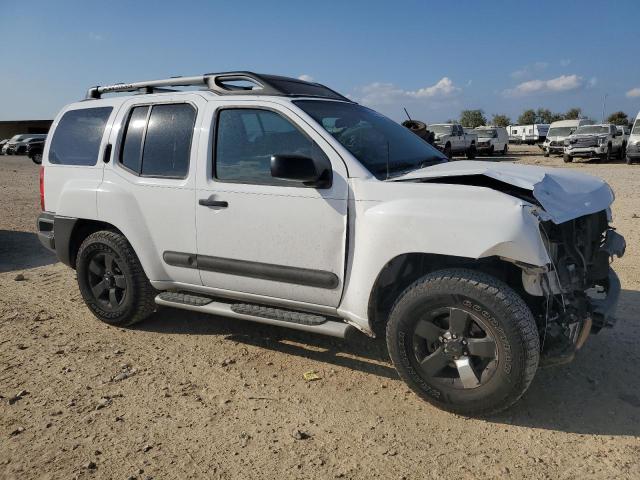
190	396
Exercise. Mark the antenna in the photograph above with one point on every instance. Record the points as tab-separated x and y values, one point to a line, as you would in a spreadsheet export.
405	111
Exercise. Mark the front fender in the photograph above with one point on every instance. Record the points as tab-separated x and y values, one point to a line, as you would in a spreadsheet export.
453	220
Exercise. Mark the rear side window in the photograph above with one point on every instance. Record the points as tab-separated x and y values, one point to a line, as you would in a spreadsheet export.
76	140
157	143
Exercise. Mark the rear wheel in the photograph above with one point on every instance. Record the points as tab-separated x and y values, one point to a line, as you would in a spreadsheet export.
471	152
464	341
112	281
546	152
492	151
447	150
37	158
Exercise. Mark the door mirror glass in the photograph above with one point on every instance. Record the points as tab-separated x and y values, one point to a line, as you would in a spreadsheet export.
301	169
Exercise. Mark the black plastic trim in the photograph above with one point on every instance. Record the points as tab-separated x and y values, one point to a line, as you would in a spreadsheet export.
45	230
62	229
263	271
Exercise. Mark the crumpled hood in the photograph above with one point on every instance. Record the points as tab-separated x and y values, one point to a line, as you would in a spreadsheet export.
564	194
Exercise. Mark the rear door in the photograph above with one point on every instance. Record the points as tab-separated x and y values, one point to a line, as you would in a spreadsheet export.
148	190
266	236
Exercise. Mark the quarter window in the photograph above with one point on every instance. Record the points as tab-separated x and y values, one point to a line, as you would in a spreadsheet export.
157	140
77	138
247	138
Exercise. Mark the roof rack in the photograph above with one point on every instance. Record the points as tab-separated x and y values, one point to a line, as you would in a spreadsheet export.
227	83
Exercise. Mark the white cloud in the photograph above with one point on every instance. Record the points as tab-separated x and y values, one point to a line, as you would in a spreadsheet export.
95	36
593	81
306	78
529	70
563	83
387	93
634	93
565	62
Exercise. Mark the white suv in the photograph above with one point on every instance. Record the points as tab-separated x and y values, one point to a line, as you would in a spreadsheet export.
275	200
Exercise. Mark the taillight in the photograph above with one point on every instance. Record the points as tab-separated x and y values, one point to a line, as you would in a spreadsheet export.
42	187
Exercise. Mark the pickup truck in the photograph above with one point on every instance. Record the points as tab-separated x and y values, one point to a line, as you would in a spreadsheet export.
603	141
289	204
451	139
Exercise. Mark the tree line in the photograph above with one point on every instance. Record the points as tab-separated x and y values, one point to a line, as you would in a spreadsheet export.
477	118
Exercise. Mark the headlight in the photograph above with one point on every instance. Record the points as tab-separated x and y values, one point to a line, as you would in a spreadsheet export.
566	143
602	141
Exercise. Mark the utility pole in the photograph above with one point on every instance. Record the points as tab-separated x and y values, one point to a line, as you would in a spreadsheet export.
604	103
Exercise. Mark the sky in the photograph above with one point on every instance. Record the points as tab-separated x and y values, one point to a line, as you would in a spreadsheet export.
432	58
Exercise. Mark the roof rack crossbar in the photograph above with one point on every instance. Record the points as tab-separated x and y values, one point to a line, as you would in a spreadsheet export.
219	83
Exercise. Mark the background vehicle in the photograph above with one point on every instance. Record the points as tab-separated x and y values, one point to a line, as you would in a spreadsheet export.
528	134
20	148
625	132
9	147
34	150
588	141
321	215
492	139
558	132
451	139
2	144
633	143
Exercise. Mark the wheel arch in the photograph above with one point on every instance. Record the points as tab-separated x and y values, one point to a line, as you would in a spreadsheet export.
403	270
71	232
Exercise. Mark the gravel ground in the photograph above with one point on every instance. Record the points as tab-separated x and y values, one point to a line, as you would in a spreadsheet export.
190	396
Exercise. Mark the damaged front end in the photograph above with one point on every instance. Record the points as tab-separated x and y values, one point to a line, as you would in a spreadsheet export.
579	290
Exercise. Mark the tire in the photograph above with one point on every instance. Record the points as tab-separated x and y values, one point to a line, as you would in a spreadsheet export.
37	158
567	158
546	152
629	161
471	152
607	156
107	263
492	151
622	153
447	150
490	306
505	150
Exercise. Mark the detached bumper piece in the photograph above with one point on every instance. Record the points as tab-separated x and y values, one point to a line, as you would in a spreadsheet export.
604	309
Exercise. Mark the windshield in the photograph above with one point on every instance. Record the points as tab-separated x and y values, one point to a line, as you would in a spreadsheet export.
560	131
592	130
384	147
636	128
485	133
440	129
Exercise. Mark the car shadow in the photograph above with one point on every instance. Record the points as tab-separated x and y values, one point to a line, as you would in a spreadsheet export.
22	250
356	351
596	394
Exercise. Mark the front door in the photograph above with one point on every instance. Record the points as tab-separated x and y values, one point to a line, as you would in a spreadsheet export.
262	235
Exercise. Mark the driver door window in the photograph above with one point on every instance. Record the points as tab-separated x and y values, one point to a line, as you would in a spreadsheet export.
247	138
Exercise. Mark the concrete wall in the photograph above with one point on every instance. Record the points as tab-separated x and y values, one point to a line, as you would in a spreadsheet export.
9	128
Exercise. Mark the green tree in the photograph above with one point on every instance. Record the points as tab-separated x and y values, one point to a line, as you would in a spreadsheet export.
528	117
500	120
618	118
544	115
573	114
472	118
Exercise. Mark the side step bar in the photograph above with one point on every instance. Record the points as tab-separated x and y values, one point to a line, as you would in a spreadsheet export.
306	322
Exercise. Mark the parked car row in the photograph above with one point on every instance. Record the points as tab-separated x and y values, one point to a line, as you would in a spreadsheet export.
30	144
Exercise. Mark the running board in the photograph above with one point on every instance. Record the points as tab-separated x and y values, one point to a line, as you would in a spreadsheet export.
306	322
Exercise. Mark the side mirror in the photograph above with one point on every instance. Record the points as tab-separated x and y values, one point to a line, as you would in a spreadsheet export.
310	172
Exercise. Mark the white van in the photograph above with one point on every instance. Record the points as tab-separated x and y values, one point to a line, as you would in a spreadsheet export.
633	143
492	140
558	132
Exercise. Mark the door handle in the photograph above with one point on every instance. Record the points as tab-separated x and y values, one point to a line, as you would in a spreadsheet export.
210	202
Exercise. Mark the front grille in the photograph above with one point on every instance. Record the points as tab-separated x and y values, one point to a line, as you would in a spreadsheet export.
557	143
585	142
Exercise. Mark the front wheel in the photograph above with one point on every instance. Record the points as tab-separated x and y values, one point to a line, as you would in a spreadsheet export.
464	341
567	158
112	281
546	152
505	149
447	150
37	158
